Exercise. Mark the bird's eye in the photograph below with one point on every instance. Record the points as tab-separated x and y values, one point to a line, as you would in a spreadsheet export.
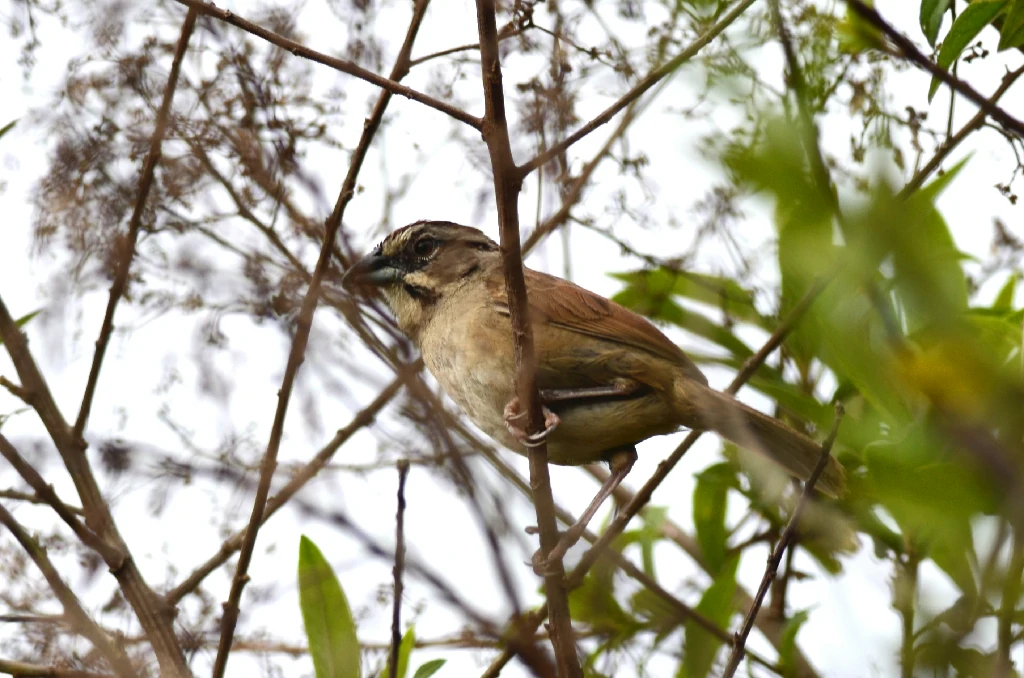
424	247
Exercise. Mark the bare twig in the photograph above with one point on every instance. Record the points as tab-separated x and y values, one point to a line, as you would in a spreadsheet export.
305	322
907	49
73	610
17	669
297	482
639	89
154	615
46	494
126	246
950	144
389	85
775	559
396	614
33	498
507	183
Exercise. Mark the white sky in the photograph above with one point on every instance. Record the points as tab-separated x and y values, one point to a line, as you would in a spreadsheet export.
853	630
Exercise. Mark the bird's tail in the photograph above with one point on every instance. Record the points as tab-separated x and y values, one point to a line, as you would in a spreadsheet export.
753	430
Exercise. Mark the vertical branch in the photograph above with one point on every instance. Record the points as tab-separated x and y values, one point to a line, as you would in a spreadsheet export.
396	614
507	182
126	245
298	349
775	559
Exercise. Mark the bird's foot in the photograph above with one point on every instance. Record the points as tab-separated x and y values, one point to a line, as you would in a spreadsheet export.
551	563
513	412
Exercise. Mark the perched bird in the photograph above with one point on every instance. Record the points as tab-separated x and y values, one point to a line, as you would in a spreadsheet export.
608	378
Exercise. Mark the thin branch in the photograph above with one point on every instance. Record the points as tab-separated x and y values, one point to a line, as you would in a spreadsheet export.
127	245
775	559
907	49
947	147
389	85
637	91
73	610
507	184
154	616
33	498
47	495
396	614
305	322
297	482
17	669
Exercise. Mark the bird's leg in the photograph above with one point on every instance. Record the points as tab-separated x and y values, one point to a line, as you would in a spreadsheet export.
513	412
620	461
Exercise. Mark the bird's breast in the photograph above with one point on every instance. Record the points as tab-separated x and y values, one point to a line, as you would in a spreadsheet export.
472	360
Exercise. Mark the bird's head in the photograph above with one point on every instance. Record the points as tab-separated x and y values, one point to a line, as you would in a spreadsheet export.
418	265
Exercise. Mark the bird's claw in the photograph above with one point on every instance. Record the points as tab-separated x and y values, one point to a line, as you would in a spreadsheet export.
513	411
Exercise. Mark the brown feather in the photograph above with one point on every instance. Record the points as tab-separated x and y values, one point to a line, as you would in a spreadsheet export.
560	303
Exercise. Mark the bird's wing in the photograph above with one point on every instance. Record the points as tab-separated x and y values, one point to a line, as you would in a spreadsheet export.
560	303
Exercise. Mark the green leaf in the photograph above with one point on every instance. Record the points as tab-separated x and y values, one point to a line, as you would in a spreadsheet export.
971	21
931	18
1004	300
326	615
23	320
404	650
710	504
856	35
1012	32
429	668
700	647
718	291
8	127
787	642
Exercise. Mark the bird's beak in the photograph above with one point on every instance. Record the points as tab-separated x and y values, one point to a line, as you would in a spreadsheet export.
372	270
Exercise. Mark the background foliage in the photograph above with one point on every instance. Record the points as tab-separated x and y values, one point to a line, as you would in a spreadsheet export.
791	179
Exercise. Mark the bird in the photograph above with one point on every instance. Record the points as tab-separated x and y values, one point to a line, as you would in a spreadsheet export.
608	378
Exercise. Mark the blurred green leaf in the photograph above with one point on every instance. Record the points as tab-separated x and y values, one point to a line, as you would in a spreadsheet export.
693	321
976	16
429	668
717	291
1004	300
328	620
787	642
700	646
653	520
855	35
710	505
931	18
594	603
1011	34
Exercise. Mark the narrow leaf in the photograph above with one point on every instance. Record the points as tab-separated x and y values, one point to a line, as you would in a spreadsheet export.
326	615
404	650
429	668
716	604
710	504
1012	33
931	18
1004	300
975	17
8	127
